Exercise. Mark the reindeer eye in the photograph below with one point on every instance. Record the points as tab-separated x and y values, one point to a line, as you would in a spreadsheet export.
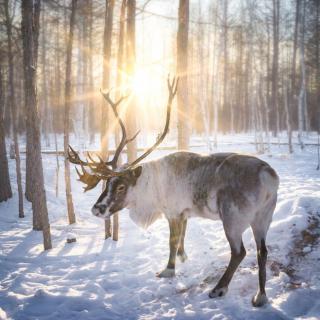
121	188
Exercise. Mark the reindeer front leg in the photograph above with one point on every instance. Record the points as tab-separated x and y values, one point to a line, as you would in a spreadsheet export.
181	253
175	226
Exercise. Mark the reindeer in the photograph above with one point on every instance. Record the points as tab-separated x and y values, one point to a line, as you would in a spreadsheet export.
240	190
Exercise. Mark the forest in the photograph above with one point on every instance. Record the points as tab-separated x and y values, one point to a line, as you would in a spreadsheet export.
87	83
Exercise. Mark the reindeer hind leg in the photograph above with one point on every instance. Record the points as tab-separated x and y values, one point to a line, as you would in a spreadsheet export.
233	225
260	228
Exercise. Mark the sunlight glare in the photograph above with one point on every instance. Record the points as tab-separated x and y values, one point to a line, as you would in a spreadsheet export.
140	83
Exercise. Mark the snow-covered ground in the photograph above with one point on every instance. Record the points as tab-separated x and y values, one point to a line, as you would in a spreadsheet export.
95	278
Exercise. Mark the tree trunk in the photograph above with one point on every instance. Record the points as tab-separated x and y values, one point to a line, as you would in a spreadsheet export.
275	65
302	100
292	101
288	122
266	112
91	88
120	67
202	82
182	72
131	59
67	106
226	105
44	92
107	44
13	108
29	28
5	187
215	79
34	6
56	100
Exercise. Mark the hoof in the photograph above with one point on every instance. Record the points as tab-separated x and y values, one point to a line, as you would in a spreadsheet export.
182	256
218	292
259	300
166	273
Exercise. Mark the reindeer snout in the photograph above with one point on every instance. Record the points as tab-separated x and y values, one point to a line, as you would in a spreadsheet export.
99	208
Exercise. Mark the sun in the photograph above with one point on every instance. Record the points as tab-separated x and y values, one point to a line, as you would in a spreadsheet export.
141	83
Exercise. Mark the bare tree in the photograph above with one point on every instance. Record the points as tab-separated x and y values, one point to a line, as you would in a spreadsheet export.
226	104
5	186
34	6
92	120
288	122
182	72
105	131
67	106
44	82
130	68
275	64
302	95
56	101
107	43
202	81
13	107
30	11
120	65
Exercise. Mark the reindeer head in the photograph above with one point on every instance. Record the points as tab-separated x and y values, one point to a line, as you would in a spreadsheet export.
115	195
118	180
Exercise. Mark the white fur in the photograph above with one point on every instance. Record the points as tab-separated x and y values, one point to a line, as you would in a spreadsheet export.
160	191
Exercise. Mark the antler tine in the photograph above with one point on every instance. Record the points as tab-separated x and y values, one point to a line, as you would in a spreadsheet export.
133	137
172	88
109	100
74	158
78	172
90	157
124	139
90	180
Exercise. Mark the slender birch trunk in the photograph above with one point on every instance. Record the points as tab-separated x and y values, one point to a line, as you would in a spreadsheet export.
105	119
67	106
182	72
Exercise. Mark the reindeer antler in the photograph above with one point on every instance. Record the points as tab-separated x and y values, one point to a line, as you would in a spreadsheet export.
124	141
101	169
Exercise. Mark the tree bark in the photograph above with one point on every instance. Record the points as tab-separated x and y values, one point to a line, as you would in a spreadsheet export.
105	119
288	122
182	72
45	121
302	100
131	59
67	106
226	105
30	16
91	89
120	67
34	28
13	106
202	81
107	44
5	186
275	65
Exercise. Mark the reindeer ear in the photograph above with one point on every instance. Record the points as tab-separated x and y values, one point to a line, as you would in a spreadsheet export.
136	172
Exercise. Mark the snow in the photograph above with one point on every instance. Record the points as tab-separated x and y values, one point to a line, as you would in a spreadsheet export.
94	278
